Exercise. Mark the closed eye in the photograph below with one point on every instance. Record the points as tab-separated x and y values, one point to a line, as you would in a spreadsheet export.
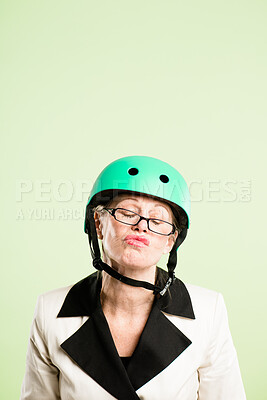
126	213
157	221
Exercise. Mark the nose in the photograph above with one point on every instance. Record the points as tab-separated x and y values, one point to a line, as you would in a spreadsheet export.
141	226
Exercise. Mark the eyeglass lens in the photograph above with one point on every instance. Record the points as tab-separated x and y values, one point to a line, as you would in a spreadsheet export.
131	218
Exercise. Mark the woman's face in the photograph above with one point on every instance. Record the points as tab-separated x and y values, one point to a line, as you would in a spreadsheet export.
134	247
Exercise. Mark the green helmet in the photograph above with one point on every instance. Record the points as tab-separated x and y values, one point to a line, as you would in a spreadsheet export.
147	176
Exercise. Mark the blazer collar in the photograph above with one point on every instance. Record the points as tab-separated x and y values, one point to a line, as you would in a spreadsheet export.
83	298
93	349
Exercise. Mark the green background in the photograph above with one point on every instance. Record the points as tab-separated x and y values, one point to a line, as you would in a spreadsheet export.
86	82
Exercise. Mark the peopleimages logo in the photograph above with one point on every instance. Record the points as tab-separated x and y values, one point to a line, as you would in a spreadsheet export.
48	190
64	199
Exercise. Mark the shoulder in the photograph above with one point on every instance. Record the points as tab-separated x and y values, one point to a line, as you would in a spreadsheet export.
210	320
205	301
69	301
49	303
201	294
56	295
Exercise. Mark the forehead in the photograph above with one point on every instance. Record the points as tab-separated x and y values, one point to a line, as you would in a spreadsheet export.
140	201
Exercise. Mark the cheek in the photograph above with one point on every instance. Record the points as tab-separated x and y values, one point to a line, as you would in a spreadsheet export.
164	245
161	243
111	236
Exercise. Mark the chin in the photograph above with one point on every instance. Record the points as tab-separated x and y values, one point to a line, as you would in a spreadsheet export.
138	262
131	259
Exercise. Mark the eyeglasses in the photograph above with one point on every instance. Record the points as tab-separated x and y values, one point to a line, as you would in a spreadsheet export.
129	217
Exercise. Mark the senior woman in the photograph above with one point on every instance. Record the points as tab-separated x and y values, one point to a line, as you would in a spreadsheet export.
132	330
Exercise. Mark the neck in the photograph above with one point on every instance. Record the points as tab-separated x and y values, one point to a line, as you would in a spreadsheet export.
117	297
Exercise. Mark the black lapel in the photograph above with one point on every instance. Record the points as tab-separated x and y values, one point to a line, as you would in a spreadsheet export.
93	349
92	346
177	301
161	343
83	298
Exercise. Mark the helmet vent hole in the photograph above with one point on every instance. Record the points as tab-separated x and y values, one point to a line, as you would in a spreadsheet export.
133	171
164	178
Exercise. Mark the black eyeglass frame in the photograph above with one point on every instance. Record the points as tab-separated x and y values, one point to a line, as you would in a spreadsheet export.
113	210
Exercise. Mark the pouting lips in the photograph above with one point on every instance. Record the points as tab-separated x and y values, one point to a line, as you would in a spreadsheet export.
139	241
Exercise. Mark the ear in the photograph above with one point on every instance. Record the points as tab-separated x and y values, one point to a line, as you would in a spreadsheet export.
170	242
98	226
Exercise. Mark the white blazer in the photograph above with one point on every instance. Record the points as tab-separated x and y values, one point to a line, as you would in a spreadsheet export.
185	351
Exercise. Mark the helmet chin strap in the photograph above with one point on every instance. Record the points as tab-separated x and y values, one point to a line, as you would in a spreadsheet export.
102	266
